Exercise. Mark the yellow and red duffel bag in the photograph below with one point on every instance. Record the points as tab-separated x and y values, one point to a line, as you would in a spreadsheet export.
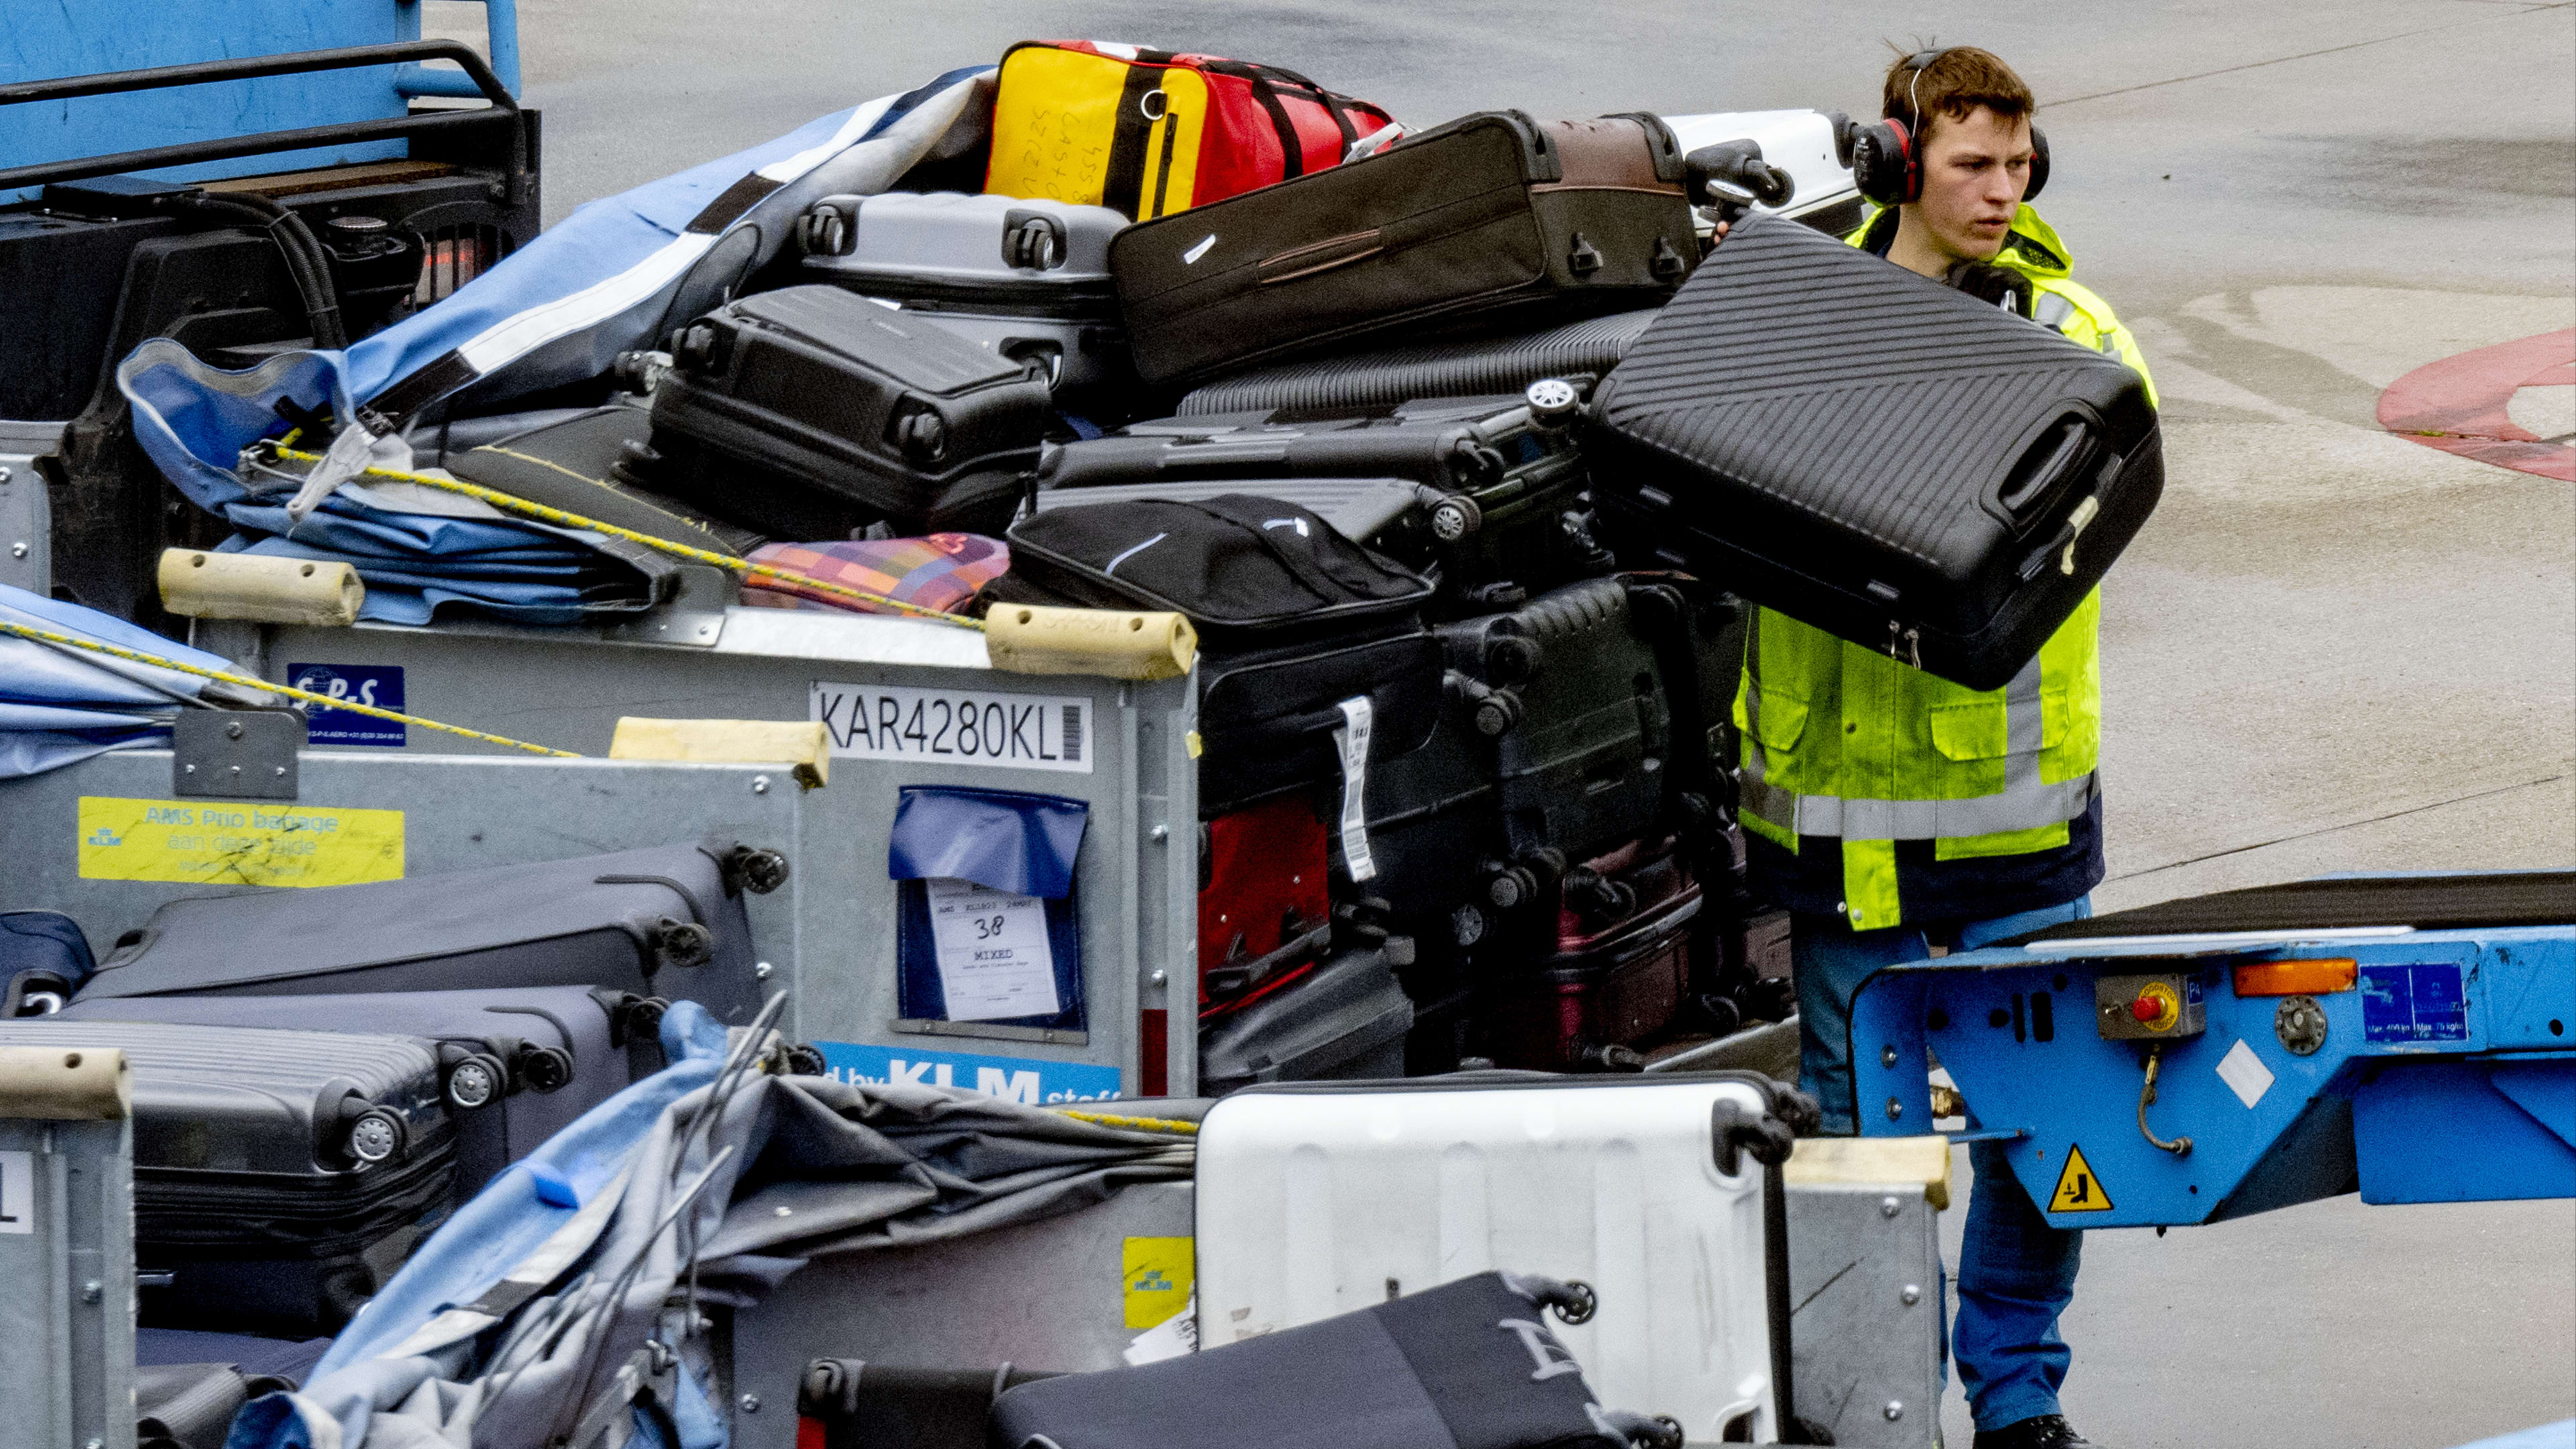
1151	132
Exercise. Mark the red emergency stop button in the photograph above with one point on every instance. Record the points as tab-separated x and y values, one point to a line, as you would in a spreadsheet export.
2156	1008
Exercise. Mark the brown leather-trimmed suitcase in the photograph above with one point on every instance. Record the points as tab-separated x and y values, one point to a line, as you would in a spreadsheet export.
1491	213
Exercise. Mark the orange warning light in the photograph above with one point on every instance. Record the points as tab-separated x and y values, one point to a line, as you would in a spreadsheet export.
2297	978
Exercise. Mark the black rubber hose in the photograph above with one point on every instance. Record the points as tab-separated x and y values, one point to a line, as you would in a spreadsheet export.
306	263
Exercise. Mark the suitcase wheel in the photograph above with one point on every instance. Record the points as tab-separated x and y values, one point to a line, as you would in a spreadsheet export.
1571	1299
376	1134
754	868
542	1068
683	943
475	1081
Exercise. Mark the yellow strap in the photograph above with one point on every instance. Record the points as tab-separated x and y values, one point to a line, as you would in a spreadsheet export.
1139	1124
244	681
509	503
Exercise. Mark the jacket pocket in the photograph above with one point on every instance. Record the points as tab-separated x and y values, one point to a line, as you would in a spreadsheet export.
1779	722
1978	729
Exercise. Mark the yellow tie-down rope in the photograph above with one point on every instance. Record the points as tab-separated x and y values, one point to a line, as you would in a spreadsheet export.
244	681
510	503
1134	1124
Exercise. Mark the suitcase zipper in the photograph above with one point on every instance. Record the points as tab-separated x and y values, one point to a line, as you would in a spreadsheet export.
1910	639
1163	169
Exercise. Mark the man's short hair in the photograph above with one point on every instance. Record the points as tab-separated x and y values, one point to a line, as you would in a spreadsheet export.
1955	82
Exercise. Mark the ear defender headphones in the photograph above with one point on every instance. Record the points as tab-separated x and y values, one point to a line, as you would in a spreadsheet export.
1887	157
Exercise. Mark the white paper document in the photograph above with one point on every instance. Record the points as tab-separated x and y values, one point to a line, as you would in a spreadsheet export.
994	960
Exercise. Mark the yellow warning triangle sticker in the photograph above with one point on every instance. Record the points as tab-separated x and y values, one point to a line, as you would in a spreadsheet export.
2078	1190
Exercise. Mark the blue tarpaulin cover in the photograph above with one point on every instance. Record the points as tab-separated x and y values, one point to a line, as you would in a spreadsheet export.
59	706
1007	840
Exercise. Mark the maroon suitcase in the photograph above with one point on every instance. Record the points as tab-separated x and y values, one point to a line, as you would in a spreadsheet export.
1620	972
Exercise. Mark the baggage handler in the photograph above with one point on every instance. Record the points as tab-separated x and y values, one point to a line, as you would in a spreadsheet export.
1891	811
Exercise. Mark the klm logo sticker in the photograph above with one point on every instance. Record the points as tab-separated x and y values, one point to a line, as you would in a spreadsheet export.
1025	1080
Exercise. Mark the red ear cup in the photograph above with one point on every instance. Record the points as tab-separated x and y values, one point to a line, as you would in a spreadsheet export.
1884	167
2038	164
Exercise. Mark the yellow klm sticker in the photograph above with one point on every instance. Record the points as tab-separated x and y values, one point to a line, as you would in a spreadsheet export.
2078	1190
225	842
1160	1273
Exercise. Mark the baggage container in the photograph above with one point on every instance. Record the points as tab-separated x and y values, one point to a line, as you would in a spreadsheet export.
1582	352
1024	279
1620	972
280	1176
810	412
1151	132
665	921
1471	1363
516	1064
1908	468
1322	1199
1490	213
1346	1019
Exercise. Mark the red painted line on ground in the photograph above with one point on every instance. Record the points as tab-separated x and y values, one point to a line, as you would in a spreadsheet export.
2458	404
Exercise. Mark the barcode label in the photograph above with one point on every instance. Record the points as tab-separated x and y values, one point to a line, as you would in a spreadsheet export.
954	726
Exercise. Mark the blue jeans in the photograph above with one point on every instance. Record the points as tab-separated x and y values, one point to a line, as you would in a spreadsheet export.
2016	1273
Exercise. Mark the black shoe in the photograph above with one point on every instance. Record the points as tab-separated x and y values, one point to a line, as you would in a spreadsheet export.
2046	1431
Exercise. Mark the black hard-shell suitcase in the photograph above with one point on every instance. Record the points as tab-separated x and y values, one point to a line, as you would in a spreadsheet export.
1875	453
1581	351
1504	505
1568	694
664	921
279	1176
516	1064
853	1404
1467	1365
811	411
1489	214
1345	1019
1293	620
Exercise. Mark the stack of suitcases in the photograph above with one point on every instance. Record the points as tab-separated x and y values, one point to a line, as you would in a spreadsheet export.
1467	456
308	1111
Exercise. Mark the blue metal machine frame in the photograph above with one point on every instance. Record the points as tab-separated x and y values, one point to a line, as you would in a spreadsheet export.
98	37
2446	1073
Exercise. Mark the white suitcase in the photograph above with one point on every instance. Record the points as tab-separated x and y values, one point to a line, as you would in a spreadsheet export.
1028	279
1321	1199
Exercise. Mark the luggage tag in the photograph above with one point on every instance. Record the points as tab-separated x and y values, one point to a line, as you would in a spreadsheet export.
989	930
1353	741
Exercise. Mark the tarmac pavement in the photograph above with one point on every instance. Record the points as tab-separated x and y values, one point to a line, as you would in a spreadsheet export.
2332	649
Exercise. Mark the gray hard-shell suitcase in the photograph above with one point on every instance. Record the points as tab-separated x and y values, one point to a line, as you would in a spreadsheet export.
1886	458
279	1176
1490	214
516	1064
663	921
1022	278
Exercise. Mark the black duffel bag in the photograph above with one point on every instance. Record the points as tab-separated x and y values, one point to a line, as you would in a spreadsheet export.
1294	620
